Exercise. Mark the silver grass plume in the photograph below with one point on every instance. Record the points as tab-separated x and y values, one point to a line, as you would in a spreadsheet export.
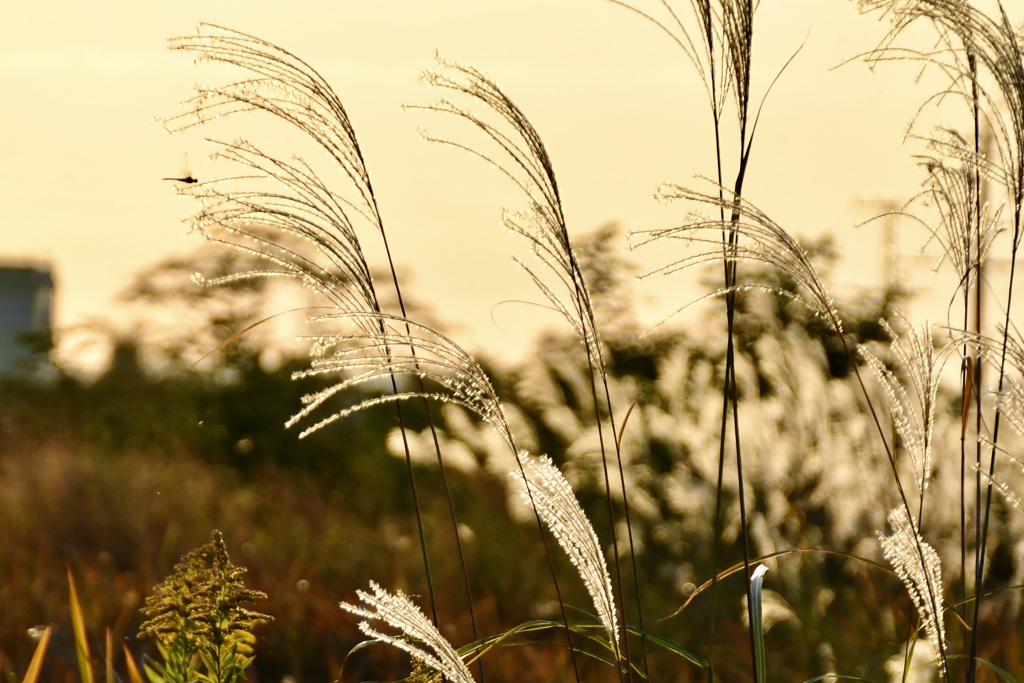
282	85
286	214
417	636
1009	401
542	223
917	565
383	346
951	188
293	221
913	411
719	49
1008	343
761	241
968	35
1011	406
991	348
282	211
737	17
548	490
517	150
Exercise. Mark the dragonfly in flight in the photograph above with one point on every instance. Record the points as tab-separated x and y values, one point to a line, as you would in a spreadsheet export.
186	175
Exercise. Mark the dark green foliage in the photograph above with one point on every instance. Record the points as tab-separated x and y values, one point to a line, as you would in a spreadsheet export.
332	510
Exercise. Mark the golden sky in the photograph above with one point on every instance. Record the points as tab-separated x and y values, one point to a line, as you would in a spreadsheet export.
616	103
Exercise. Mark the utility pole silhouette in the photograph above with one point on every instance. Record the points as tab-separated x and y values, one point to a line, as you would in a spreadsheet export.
892	276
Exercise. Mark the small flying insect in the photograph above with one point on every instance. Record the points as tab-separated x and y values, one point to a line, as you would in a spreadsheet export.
186	175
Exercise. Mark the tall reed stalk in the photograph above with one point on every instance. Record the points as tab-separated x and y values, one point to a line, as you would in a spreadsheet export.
722	55
981	55
543	225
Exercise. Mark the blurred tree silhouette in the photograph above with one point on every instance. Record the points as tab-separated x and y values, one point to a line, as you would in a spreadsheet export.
121	475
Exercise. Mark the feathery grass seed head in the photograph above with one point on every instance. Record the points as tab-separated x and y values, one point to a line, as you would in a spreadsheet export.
917	565
761	240
417	635
913	410
548	490
542	223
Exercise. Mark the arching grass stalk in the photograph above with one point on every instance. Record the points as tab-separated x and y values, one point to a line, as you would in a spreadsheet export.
965	229
303	229
990	46
364	356
974	381
913	417
767	243
722	58
543	225
554	498
953	188
912	410
301	226
418	636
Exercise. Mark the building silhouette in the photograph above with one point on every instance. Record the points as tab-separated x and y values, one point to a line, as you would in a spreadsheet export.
26	319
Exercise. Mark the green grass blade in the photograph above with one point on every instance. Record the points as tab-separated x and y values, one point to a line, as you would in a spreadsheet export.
671	647
592	631
153	674
357	648
81	639
738	567
1002	673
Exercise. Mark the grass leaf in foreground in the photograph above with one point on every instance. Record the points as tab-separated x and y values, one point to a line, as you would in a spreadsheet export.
81	637
36	665
758	624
